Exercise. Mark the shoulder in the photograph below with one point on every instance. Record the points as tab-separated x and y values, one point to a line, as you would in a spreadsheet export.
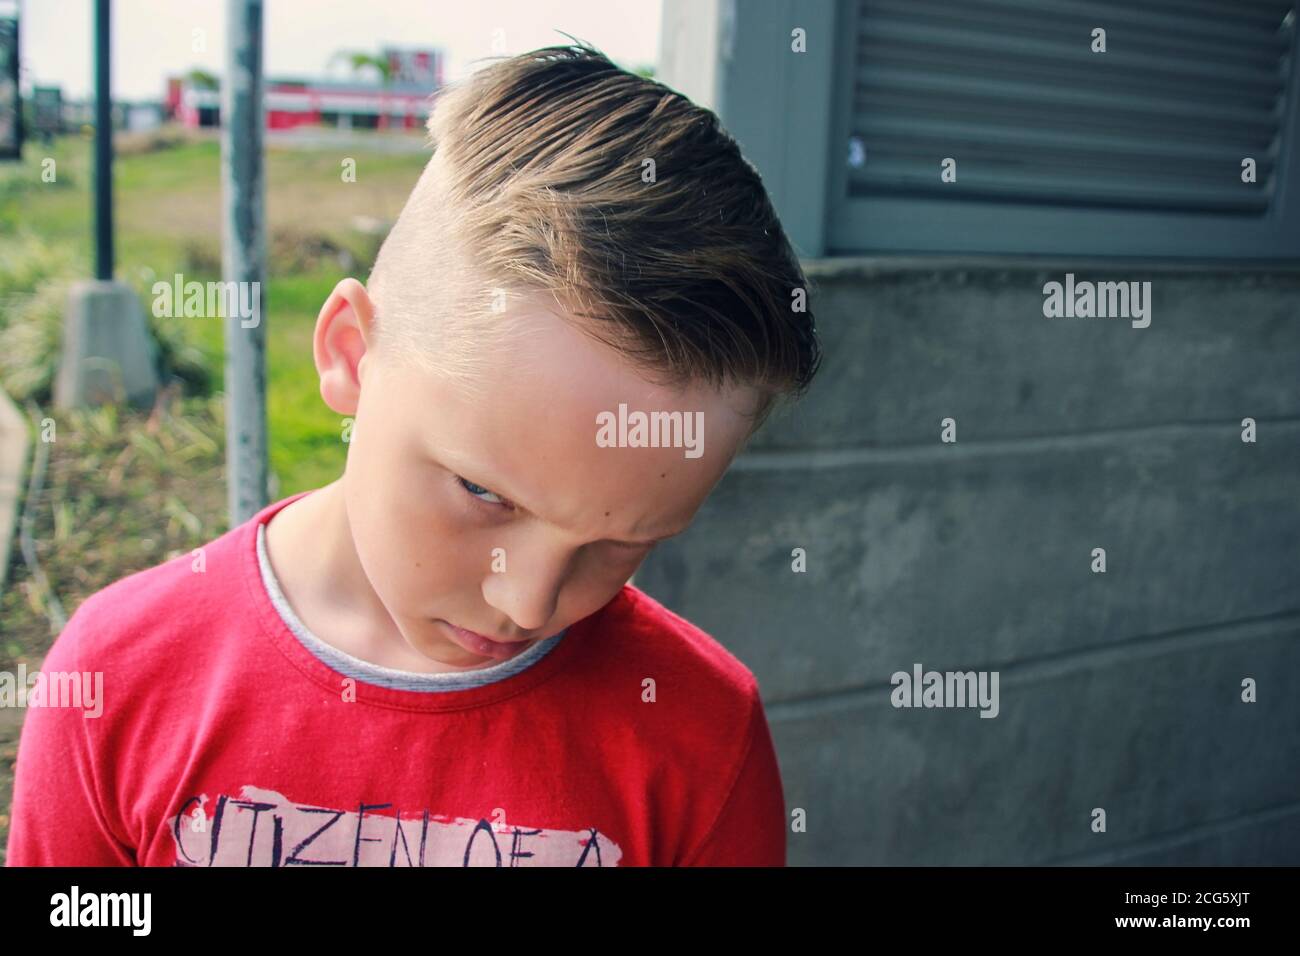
151	616
694	714
677	686
685	654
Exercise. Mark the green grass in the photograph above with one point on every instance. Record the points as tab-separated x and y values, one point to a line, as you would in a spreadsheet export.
168	220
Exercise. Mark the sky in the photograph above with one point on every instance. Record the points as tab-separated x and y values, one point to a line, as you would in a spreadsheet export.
156	38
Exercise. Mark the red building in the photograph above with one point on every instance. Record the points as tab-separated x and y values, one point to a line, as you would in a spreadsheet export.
401	103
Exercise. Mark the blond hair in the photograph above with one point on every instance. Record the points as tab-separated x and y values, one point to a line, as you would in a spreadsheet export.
558	173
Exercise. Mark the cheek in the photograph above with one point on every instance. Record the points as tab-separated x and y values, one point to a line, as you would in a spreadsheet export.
410	538
588	593
434	544
600	575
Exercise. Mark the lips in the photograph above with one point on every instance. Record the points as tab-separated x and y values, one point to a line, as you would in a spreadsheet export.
477	643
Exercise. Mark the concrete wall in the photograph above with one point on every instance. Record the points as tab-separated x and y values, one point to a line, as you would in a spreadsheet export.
1119	690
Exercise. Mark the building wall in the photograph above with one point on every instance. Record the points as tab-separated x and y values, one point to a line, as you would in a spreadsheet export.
1118	690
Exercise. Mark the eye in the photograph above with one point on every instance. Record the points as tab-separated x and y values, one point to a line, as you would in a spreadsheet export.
478	491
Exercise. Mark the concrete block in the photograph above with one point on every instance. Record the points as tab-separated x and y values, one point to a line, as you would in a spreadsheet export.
981	554
14	446
908	349
108	353
1264	838
1155	733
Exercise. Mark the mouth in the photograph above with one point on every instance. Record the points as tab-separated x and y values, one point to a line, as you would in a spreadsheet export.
485	646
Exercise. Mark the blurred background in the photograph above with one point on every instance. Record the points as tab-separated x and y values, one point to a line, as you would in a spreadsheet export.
940	497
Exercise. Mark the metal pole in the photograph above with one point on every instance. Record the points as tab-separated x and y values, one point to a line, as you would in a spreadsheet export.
243	251
103	145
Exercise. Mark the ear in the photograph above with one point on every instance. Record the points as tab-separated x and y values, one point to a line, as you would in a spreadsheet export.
343	340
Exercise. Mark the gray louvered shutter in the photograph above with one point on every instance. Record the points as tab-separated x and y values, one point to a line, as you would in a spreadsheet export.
1012	90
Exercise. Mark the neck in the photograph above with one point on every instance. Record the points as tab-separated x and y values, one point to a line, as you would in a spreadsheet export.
309	544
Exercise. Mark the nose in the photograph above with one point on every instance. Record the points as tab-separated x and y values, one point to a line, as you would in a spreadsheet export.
528	590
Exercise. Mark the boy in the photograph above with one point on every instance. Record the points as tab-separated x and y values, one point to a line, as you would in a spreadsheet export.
437	659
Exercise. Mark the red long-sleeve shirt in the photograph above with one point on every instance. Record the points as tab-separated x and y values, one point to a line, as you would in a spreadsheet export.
225	740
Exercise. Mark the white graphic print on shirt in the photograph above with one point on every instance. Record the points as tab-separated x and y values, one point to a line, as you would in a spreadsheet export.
264	828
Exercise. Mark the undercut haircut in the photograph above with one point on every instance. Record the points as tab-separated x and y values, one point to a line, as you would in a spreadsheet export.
557	173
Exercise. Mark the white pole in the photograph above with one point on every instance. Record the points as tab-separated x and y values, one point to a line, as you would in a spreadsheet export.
243	248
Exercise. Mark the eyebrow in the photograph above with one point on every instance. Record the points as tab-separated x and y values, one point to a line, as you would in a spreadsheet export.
459	466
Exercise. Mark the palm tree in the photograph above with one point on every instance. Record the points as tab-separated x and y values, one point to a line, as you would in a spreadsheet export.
359	61
202	80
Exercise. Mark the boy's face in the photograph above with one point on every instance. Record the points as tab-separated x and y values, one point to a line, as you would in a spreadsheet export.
502	514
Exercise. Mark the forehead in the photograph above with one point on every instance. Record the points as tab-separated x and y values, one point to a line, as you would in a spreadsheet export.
534	420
